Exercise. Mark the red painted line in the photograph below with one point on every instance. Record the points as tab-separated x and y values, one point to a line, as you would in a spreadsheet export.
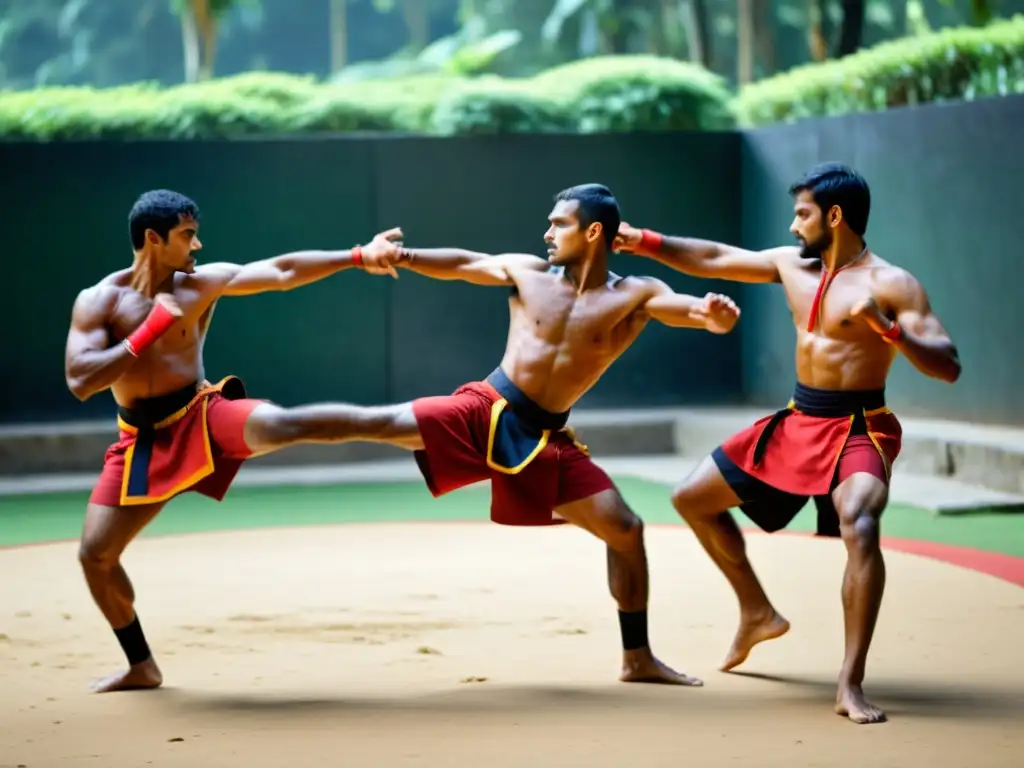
1006	567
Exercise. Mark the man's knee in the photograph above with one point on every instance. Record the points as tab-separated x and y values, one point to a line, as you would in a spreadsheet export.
704	494
95	554
859	502
859	527
684	500
107	531
624	531
270	426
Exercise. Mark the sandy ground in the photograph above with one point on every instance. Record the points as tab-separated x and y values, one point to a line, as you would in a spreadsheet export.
475	645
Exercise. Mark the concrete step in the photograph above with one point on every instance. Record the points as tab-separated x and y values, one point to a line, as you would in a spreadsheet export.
942	496
974	455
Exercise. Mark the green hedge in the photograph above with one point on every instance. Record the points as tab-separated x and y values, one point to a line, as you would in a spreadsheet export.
490	106
645	93
953	64
598	94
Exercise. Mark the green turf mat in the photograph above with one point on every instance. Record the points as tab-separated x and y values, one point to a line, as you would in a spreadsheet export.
46	517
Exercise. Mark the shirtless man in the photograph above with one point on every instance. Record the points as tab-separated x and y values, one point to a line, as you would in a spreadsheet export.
836	440
139	332
570	320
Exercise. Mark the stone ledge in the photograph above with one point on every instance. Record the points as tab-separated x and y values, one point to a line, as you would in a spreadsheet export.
978	455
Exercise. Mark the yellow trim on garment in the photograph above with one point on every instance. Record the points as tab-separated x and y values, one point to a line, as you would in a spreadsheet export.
839	453
179	414
496	410
572	436
867	414
204	471
885	459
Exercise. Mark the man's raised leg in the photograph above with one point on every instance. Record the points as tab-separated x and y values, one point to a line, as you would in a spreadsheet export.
702	501
270	427
105	535
607	517
860	500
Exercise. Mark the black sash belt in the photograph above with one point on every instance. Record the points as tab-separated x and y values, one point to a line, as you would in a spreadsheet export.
523	407
823	403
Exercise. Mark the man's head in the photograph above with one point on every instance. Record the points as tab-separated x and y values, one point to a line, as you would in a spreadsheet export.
584	221
831	200
165	225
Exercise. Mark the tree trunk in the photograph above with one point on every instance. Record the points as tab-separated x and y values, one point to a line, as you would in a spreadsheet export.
698	32
190	44
339	35
818	30
660	38
619	25
853	27
745	41
764	34
204	26
915	18
208	30
981	12
417	22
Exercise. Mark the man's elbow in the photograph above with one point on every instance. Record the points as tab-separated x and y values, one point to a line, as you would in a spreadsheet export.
78	384
955	369
79	389
951	371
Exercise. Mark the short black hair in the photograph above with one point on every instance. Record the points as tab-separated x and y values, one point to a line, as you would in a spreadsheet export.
837	184
596	203
160	210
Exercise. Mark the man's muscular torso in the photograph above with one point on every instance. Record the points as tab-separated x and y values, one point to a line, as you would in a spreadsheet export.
560	342
842	352
176	359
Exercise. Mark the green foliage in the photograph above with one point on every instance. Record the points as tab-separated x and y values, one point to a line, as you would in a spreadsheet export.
598	94
638	93
961	63
492	106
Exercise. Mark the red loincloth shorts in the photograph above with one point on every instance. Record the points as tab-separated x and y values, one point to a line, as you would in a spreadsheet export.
187	441
491	430
805	451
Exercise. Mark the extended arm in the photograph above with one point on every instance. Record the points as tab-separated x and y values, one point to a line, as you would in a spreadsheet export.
714	312
90	363
469	266
918	333
280	273
295	269
703	258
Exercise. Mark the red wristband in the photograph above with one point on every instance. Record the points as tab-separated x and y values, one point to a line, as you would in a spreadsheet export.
152	328
650	241
894	334
357	256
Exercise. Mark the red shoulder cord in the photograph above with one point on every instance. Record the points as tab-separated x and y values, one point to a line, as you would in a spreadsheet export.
823	284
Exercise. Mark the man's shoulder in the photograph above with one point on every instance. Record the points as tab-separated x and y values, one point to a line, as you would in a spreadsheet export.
789	256
530	262
885	271
637	282
212	276
107	288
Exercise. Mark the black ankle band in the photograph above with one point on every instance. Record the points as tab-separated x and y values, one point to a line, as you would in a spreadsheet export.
634	630
133	642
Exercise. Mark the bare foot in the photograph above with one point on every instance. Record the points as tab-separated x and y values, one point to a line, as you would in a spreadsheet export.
751	632
850	702
144	675
641	667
